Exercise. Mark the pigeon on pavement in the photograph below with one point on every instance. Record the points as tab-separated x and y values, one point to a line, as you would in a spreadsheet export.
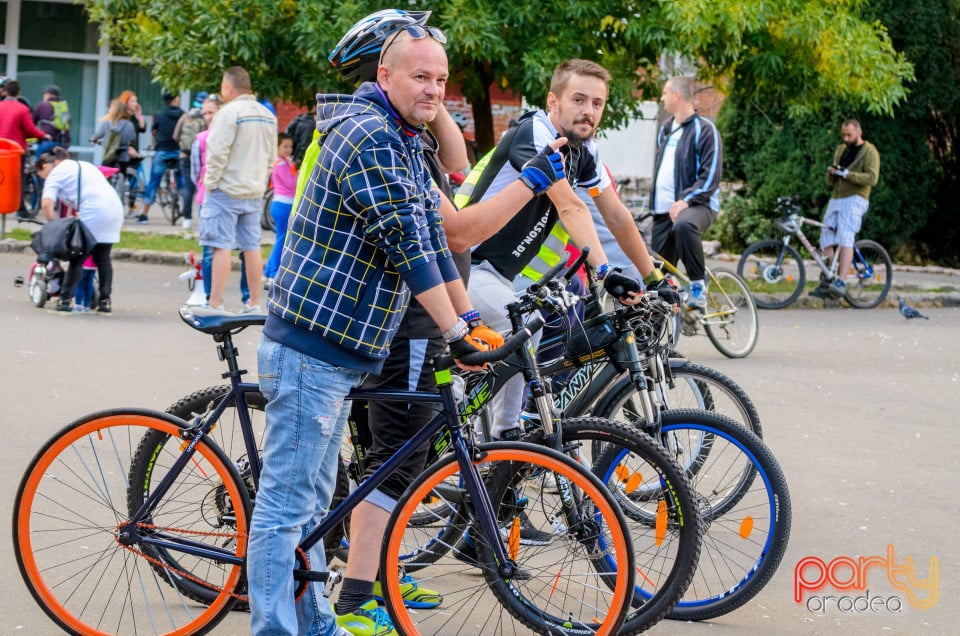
909	312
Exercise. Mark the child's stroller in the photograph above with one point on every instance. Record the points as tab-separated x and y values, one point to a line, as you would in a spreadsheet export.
45	282
45	278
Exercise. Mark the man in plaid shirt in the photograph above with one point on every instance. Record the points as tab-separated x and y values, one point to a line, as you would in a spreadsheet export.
364	231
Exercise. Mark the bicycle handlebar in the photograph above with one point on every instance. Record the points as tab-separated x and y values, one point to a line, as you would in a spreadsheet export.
510	345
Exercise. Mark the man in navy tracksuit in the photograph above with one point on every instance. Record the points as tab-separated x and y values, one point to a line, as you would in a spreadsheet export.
686	179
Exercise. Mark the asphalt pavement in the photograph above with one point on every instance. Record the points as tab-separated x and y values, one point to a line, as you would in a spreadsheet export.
858	406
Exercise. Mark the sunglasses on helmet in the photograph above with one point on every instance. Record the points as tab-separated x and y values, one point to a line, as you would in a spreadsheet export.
417	32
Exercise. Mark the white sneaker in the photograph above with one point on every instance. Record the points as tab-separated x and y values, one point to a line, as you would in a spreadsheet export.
187	224
251	309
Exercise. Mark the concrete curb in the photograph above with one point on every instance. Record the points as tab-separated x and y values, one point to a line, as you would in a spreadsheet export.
913	295
153	257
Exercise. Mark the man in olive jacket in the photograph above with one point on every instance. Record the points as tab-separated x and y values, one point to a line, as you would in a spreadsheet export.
854	171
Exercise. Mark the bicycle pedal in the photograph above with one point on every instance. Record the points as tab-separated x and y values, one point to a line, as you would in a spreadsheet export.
333	579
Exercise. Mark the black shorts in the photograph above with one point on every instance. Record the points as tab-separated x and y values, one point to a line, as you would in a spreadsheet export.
386	426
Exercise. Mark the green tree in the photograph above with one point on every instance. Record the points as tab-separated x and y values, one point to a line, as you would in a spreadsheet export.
775	151
798	52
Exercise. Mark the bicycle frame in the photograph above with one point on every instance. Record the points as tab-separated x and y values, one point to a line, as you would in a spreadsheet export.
818	255
813	251
448	420
705	317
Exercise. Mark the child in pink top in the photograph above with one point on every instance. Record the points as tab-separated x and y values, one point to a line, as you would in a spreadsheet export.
284	179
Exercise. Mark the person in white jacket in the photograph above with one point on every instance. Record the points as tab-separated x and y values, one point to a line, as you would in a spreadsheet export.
241	148
66	182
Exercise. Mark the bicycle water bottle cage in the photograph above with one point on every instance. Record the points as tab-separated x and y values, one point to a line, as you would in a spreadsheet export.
789	224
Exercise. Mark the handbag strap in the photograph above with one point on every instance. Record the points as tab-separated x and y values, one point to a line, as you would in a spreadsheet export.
79	183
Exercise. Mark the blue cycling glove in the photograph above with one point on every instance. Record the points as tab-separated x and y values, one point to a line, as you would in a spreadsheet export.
541	172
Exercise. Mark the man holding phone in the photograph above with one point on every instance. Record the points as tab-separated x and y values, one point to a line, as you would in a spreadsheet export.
852	174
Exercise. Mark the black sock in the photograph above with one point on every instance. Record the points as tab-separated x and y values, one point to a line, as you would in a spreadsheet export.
353	594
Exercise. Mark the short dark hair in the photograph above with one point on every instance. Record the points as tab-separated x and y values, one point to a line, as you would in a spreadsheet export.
12	87
57	153
282	137
854	123
238	77
564	70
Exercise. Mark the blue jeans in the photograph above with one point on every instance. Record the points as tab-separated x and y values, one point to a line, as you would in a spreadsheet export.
206	270
281	216
188	189
305	418
157	166
85	291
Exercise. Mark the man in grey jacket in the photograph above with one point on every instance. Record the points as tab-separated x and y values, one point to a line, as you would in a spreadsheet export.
241	148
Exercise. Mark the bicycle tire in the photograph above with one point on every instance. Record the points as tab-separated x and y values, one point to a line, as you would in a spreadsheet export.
74	564
464	611
736	336
768	266
666	565
226	434
861	289
266	220
31	194
745	505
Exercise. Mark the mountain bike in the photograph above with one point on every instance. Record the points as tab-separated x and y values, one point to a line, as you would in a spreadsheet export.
729	317
168	195
744	497
776	272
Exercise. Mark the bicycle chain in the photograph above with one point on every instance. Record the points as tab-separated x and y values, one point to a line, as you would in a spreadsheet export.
177	571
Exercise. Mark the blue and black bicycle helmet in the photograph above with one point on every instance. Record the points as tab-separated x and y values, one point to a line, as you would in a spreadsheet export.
357	54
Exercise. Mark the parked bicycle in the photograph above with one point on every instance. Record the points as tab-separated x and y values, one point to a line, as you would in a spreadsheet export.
729	317
32	188
776	272
168	194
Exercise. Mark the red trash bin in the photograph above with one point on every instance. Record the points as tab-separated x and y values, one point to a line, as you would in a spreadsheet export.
11	172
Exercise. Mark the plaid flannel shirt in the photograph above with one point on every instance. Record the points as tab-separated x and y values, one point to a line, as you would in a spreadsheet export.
365	229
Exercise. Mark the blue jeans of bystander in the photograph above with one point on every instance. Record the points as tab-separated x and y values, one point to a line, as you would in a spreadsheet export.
157	166
206	265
